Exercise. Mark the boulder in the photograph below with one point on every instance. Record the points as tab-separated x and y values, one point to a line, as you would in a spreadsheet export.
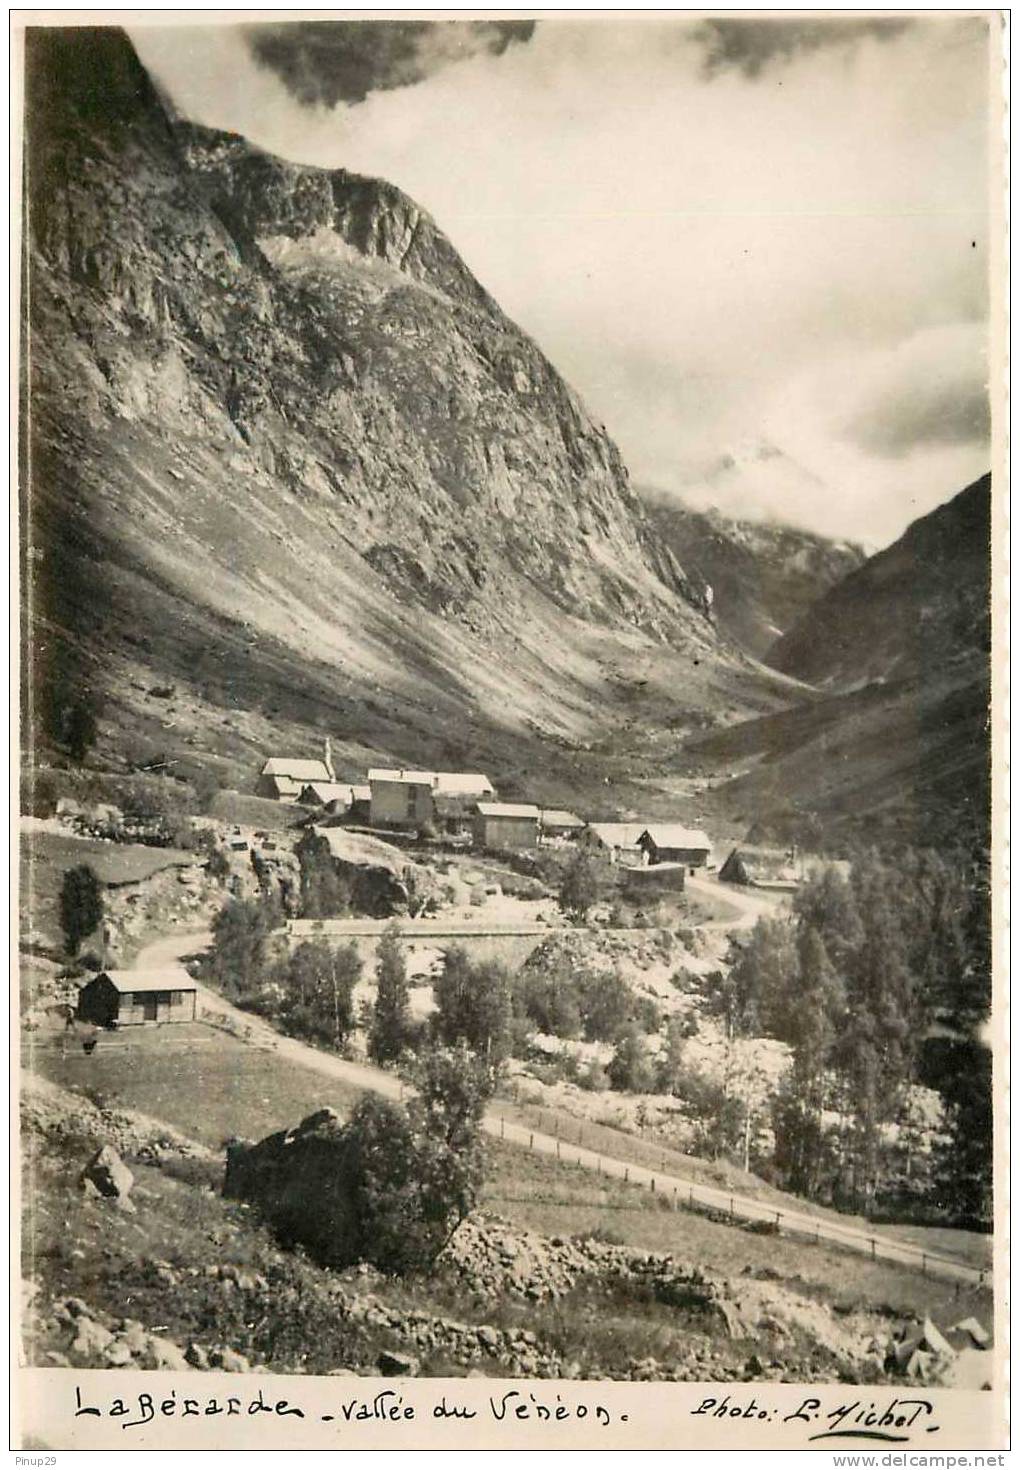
107	1173
397	1365
163	1356
228	1361
92	1338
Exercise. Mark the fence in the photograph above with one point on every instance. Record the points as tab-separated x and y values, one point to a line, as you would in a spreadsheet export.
731	1206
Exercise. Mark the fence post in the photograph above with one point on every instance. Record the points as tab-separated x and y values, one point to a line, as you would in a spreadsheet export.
626	1174
924	1264
653	1183
778	1217
531	1140
557	1148
872	1247
731	1206
502	1127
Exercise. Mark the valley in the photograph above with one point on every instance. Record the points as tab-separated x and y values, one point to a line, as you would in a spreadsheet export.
294	485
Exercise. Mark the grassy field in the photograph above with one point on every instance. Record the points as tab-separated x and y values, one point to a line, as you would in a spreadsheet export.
249	1093
543	1195
630	1148
46	856
200	1080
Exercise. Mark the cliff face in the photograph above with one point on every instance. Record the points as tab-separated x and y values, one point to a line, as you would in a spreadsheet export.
284	449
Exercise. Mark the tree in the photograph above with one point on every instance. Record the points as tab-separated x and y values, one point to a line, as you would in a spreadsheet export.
579	889
415	1172
759	993
81	905
325	893
319	986
474	1005
802	1148
80	727
239	959
630	1068
390	1026
607	1004
549	1002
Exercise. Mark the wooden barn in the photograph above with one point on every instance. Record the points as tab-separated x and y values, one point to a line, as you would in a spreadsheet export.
499	824
762	867
133	997
669	842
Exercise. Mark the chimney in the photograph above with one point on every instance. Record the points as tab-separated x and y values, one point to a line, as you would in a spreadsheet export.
327	758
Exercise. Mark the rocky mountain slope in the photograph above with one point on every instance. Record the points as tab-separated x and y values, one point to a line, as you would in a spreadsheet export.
896	742
917	609
286	459
763	575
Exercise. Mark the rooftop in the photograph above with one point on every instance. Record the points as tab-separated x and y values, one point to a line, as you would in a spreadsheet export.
296	769
127	981
507	809
672	834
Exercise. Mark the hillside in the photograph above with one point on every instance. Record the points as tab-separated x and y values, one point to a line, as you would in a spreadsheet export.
895	745
917	609
290	470
763	575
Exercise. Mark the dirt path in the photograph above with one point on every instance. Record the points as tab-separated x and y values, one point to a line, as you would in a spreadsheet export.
168	952
749	905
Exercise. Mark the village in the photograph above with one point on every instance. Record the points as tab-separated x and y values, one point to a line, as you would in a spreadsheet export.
657	1096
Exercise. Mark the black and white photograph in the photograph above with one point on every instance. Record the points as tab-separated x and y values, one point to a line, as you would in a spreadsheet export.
510	852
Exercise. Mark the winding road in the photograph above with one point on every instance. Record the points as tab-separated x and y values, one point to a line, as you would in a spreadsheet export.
169	952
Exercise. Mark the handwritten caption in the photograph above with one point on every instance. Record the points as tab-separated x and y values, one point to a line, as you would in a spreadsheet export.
386	1406
898	1420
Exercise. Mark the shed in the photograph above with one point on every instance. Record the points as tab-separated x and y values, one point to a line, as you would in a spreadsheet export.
617	841
500	824
132	997
762	867
557	823
323	793
669	842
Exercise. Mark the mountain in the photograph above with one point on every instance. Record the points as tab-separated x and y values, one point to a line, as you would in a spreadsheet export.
914	610
289	469
762	575
893	744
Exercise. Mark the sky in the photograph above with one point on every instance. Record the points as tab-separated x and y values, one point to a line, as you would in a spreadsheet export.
757	248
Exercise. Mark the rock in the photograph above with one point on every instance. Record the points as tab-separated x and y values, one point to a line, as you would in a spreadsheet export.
972	1327
489	1338
58	1360
134	1334
118	1355
108	1173
165	1357
228	1361
73	1306
397	1365
197	1356
92	1338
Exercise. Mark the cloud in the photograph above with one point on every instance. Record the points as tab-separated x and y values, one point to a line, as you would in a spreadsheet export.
931	392
752	46
711	263
329	62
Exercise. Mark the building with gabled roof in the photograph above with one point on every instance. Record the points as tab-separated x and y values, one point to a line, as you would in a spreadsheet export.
501	824
283	776
406	798
671	842
617	841
134	997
